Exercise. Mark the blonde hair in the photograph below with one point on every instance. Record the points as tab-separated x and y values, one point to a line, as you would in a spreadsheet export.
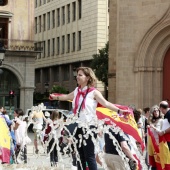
88	73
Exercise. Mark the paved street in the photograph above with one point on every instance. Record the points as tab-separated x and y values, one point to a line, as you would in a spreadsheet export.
40	161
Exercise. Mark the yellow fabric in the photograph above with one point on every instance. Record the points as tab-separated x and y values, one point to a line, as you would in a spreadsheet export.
164	154
4	134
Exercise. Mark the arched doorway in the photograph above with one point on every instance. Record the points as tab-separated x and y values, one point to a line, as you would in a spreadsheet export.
9	82
166	76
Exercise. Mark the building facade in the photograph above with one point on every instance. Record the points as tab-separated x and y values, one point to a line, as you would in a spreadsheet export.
139	56
70	32
17	54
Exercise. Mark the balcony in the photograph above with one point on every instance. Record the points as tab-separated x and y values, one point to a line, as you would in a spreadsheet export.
19	45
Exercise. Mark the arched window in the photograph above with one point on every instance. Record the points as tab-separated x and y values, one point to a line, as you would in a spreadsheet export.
3	2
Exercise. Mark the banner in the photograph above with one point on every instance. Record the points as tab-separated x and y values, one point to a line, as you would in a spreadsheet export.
125	121
4	141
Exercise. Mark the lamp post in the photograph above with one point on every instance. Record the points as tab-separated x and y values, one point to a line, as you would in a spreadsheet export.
46	85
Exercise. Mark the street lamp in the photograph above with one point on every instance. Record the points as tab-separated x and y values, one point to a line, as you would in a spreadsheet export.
46	85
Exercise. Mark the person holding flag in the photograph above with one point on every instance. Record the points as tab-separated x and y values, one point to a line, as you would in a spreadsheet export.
164	136
85	99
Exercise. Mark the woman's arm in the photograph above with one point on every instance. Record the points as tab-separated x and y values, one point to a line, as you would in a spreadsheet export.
100	99
64	97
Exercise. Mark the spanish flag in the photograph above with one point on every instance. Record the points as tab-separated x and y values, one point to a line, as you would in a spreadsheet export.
153	151
4	141
164	151
125	121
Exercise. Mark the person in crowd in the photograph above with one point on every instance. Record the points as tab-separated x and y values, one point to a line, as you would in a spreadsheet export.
85	98
38	118
137	116
112	158
8	121
5	113
164	108
50	137
146	123
22	139
147	114
155	126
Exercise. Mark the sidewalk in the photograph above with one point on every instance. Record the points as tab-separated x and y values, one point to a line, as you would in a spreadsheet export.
40	161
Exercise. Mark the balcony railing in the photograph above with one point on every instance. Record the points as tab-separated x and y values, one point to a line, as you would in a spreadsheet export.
19	45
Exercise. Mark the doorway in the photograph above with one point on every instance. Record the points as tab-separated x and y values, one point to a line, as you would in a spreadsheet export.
166	77
8	83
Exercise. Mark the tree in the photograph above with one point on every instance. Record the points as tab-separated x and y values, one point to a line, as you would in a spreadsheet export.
100	64
58	89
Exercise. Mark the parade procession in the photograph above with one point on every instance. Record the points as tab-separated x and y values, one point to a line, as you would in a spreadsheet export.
96	132
84	85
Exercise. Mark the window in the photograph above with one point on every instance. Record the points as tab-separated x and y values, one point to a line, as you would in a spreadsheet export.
37	76
46	75
41	49
66	73
56	74
58	17
48	20
74	41
58	45
53	46
63	12
68	43
79	8
36	3
35	25
48	47
63	44
68	13
39	23
44	1
79	40
3	2
40	3
53	18
43	46
74	10
44	22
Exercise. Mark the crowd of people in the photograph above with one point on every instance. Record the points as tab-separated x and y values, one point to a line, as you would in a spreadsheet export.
88	140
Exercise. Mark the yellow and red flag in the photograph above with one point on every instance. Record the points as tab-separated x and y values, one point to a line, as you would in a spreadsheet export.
125	121
4	141
159	154
164	151
153	151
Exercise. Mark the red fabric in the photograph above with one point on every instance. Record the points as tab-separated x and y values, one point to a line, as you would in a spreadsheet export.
5	155
47	131
164	138
83	93
155	145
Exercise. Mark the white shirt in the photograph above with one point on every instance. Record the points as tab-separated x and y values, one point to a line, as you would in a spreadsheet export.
88	114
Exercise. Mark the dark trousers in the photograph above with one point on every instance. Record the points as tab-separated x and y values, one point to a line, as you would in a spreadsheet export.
23	153
86	152
53	154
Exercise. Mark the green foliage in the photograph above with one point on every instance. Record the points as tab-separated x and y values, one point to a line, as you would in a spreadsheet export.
58	89
100	64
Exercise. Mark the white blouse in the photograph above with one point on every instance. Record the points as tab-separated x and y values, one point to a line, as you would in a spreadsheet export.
88	114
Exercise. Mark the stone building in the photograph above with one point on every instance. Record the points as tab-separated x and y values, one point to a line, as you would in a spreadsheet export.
17	64
70	32
139	56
